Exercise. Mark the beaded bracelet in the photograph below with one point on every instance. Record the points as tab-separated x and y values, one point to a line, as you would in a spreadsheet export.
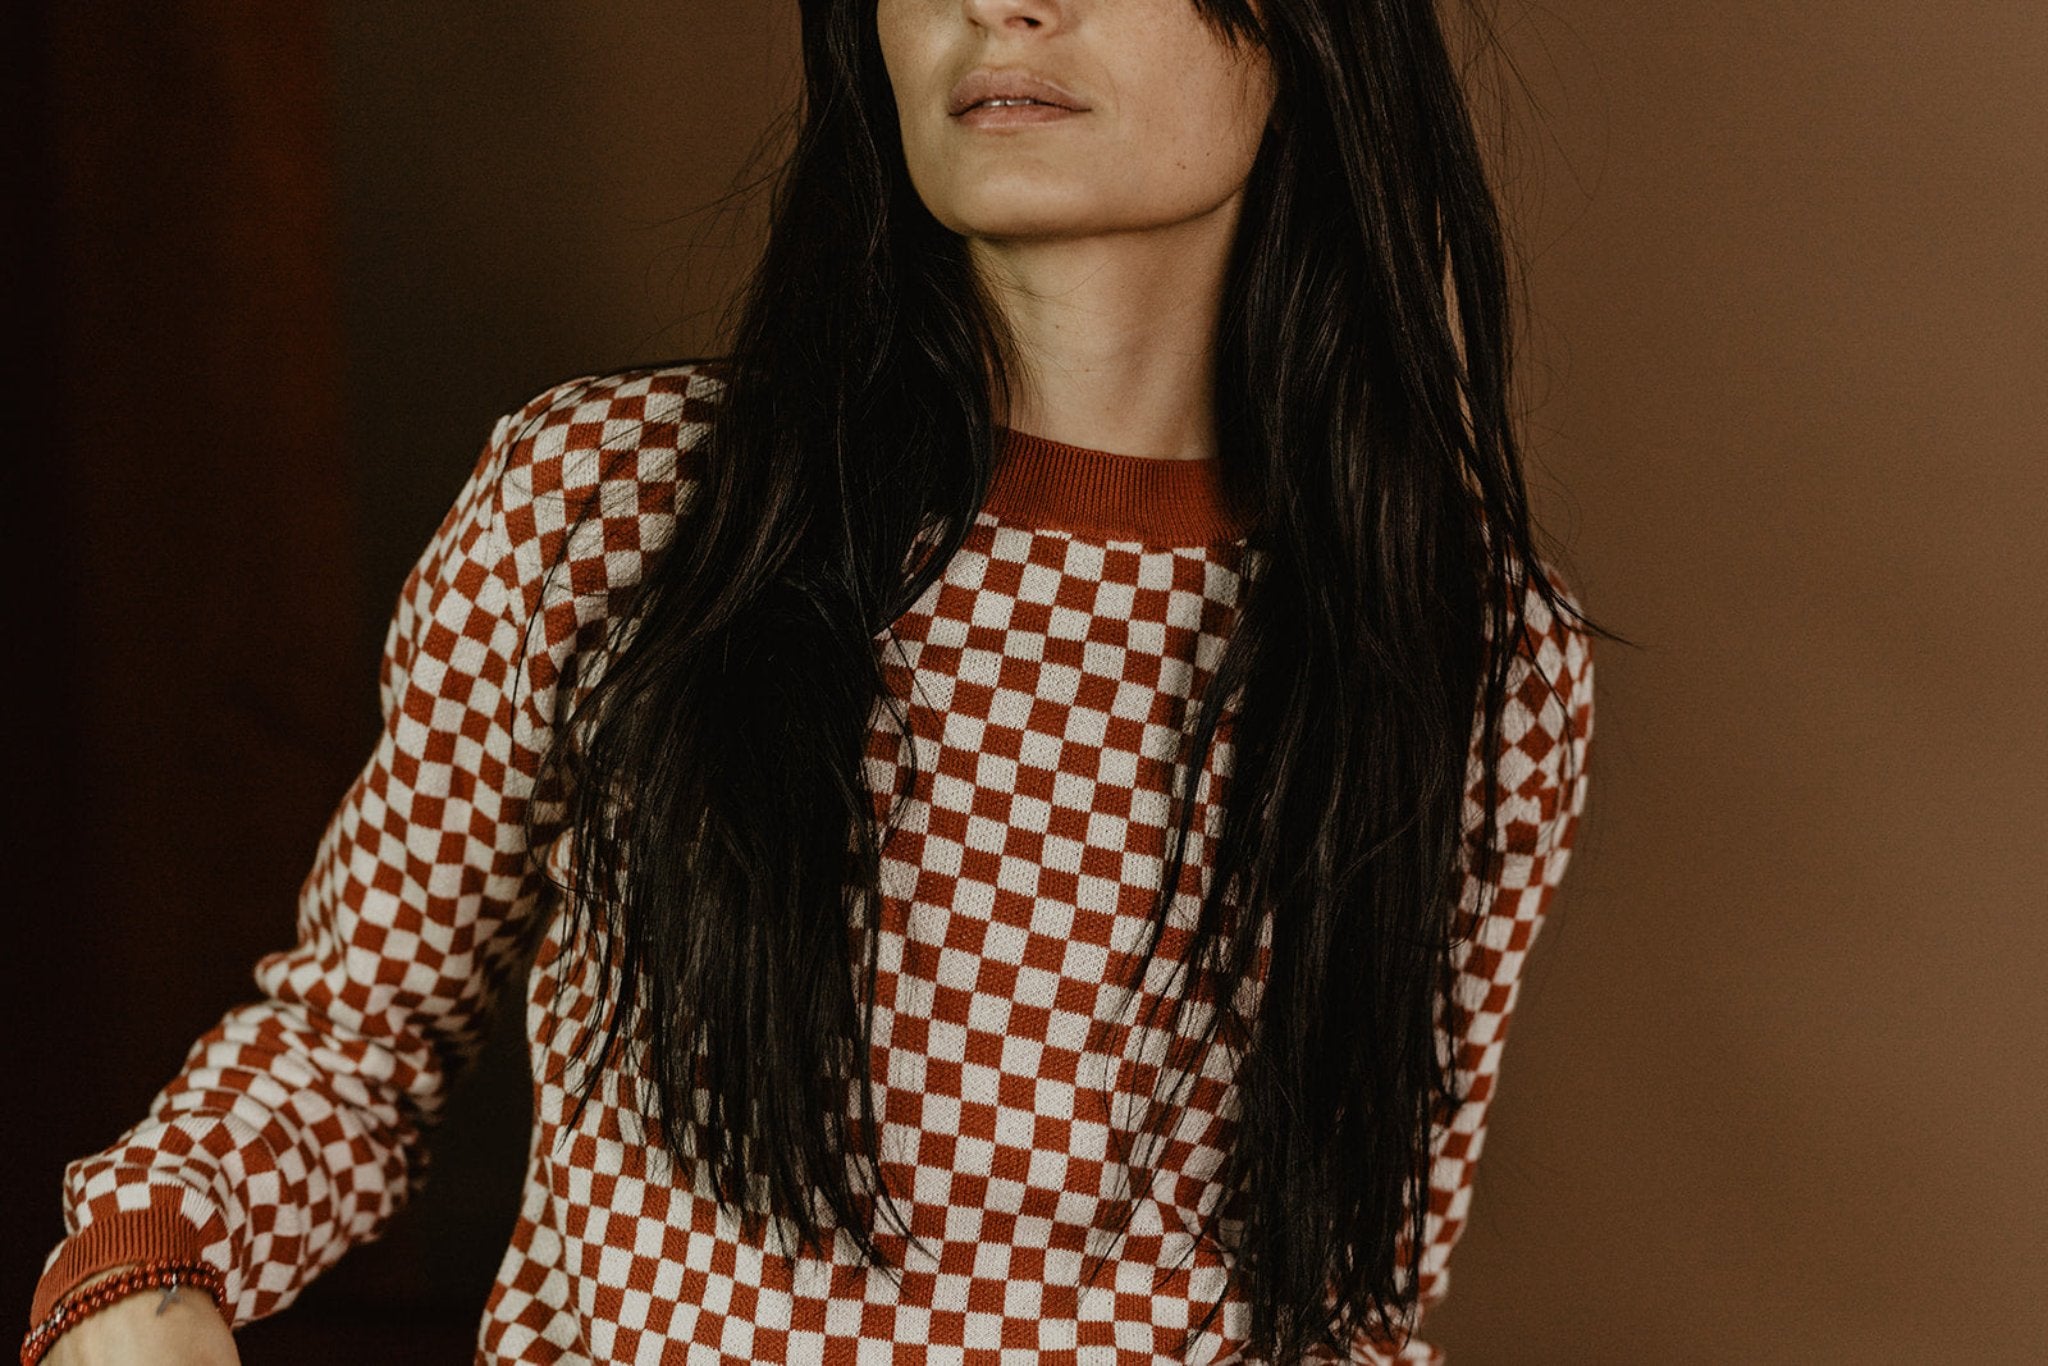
79	1304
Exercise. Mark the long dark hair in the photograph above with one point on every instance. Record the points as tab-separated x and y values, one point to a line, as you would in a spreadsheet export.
1363	411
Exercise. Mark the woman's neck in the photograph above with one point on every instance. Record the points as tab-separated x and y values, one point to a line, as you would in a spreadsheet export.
1116	334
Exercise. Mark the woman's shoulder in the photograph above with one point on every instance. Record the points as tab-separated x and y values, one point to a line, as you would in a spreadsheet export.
634	393
581	443
581	483
1556	651
1547	718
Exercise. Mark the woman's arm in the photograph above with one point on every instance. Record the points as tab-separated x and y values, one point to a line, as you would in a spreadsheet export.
293	1130
1545	735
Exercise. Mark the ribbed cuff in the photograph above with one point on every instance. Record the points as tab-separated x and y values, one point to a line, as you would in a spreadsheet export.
115	1240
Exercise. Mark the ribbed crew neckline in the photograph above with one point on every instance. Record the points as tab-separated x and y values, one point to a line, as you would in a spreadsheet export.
1052	485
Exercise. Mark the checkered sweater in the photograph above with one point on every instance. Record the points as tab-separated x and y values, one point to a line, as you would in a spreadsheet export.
1046	675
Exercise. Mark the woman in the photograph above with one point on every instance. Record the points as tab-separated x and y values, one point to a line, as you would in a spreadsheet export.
1116	422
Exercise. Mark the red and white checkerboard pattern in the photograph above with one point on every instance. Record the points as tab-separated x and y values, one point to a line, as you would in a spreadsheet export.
1046	676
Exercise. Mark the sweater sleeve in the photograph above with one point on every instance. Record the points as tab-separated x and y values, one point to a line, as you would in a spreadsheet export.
1545	732
294	1129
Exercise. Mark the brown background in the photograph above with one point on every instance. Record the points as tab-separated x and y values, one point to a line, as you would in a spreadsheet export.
1774	1093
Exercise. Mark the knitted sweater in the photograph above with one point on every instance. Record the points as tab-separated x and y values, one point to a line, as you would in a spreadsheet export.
1046	674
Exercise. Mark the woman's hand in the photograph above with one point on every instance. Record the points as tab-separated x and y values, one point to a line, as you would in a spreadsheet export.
130	1332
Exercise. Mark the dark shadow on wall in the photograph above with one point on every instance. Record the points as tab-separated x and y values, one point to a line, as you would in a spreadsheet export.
195	691
270	286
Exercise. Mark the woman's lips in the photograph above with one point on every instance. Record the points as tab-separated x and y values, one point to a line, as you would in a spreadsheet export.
1014	115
